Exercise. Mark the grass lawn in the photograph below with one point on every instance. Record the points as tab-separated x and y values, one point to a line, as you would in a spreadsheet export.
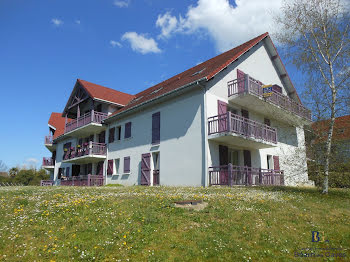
142	224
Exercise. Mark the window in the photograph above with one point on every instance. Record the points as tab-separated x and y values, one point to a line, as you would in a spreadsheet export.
269	162
111	135
67	171
102	137
110	167
119	132
60	173
117	164
156	128
127	133
127	164
267	121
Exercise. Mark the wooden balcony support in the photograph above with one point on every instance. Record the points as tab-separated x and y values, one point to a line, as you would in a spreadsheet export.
230	122
249	85
87	118
242	175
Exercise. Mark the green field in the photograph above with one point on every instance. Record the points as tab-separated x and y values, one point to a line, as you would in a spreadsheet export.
142	224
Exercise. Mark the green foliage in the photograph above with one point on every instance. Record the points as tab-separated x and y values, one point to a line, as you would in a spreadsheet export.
25	177
339	175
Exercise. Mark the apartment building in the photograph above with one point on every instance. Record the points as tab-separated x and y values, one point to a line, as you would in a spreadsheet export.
235	119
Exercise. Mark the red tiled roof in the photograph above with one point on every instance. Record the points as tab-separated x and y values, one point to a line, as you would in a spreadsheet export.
207	70
57	121
341	129
105	93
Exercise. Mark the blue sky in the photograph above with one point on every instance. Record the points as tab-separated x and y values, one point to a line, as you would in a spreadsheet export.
127	45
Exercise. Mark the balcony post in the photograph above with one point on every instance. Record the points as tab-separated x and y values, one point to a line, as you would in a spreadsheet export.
228	121
230	174
92	115
260	176
246	83
90	148
273	177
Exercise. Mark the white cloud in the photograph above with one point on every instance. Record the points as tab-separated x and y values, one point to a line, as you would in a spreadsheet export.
115	43
141	43
122	3
78	22
226	24
167	23
56	22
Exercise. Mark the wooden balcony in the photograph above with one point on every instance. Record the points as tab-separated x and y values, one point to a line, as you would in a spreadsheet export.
49	143
87	153
277	105
230	175
88	180
48	163
86	124
236	130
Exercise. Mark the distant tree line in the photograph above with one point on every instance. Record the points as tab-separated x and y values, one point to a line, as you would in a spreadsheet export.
24	176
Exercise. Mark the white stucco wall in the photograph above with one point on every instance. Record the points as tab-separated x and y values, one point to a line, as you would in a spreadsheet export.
180	142
290	147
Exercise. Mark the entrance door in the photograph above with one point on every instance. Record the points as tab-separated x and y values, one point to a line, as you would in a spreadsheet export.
75	170
223	159
145	169
99	168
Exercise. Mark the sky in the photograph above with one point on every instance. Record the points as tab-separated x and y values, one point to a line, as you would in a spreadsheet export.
127	45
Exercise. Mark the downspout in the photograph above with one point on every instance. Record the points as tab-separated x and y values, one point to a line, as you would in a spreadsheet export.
106	161
205	179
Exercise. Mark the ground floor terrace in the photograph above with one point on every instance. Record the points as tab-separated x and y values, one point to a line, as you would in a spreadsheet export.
234	165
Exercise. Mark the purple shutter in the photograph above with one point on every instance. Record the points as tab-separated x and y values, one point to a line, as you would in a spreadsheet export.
100	168
223	160
111	135
127	130
276	162
240	80
110	167
277	89
127	164
222	117
145	169
102	137
156	128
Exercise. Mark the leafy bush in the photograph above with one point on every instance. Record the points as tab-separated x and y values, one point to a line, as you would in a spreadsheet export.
27	177
339	175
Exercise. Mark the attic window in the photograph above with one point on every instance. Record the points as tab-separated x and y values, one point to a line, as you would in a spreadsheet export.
157	90
198	72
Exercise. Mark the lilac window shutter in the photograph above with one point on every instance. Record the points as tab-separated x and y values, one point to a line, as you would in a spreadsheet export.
156	128
110	167
240	78
126	164
127	130
222	110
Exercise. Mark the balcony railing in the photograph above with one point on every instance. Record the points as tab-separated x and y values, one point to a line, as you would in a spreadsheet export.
90	148
48	161
48	140
87	118
241	175
251	86
85	180
230	122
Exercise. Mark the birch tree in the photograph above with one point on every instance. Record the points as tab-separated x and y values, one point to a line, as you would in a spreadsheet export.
315	37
